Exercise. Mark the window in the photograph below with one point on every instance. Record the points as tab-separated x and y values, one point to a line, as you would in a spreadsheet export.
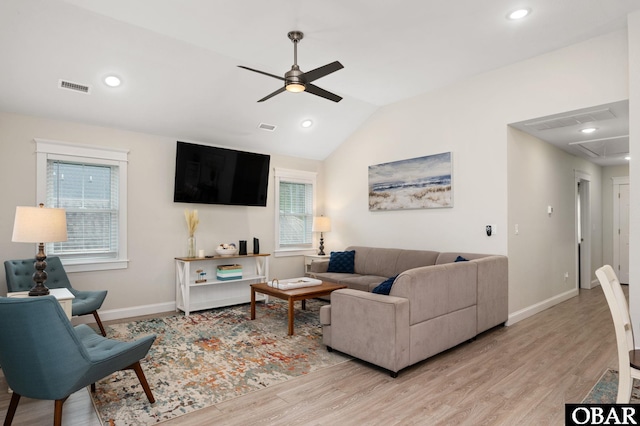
90	184
295	200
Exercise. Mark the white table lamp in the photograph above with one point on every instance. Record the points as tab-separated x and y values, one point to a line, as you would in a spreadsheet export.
321	224
39	225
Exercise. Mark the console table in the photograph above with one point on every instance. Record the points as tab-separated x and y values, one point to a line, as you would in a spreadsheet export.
214	293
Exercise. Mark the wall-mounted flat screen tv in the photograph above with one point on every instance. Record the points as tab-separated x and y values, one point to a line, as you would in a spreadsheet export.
211	175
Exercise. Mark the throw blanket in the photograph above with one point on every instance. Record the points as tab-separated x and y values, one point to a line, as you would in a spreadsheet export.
293	283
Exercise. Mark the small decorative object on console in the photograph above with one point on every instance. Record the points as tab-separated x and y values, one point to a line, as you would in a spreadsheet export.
201	276
226	249
229	272
192	224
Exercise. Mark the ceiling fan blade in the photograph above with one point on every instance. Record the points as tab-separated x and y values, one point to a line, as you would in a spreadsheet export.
271	95
322	71
315	90
262	72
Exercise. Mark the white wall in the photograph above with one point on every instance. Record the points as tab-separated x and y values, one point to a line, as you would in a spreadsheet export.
470	119
634	169
157	228
545	248
608	200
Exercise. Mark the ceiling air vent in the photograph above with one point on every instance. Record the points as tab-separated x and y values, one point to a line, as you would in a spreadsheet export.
75	87
267	127
571	120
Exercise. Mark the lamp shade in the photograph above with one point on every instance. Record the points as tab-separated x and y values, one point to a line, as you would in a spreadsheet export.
39	225
321	224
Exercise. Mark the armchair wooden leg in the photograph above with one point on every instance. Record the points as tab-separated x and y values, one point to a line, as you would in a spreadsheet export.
143	381
11	411
57	414
97	318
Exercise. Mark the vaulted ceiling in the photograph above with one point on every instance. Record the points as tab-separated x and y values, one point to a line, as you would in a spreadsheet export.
178	60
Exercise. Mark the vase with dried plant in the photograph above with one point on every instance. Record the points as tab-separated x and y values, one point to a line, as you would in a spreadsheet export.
192	225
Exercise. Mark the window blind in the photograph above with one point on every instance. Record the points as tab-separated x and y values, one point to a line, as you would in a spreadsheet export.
296	214
89	194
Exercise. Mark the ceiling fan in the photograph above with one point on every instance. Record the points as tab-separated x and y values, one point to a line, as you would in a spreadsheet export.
298	81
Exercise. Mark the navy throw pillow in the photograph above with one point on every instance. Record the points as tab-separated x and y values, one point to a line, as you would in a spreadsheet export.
385	286
342	261
461	259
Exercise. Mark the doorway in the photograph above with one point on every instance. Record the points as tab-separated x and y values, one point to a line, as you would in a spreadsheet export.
583	230
621	228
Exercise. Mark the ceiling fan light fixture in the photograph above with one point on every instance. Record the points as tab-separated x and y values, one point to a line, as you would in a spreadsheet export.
296	81
295	87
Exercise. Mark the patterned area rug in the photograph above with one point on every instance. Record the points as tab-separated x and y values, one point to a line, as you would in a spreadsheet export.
212	356
605	391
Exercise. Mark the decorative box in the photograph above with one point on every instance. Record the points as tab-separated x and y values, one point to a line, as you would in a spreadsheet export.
229	272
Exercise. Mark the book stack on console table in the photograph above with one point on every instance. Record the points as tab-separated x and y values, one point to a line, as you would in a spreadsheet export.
229	272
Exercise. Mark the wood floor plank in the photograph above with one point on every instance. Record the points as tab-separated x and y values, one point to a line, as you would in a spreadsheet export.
522	374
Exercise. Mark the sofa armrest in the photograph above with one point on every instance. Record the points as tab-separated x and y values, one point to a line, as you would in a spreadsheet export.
319	266
372	327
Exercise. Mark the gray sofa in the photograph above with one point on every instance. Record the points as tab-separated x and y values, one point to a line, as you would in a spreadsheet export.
434	304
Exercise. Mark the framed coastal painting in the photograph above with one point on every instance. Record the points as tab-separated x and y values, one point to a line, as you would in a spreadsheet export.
416	183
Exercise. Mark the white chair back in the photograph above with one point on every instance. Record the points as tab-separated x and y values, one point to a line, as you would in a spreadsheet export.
624	331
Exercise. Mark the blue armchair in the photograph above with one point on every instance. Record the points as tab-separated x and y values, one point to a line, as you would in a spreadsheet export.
19	278
44	357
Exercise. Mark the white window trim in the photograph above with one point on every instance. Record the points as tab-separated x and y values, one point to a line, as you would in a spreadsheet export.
47	149
297	176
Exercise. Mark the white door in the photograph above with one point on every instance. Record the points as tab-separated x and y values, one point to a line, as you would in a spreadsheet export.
623	232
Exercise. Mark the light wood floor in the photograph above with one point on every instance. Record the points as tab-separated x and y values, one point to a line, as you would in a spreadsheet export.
517	375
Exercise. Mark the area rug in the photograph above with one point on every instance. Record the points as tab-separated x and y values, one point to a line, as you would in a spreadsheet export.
210	357
605	391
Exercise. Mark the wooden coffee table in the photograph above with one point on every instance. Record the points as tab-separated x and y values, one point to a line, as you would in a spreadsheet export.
291	296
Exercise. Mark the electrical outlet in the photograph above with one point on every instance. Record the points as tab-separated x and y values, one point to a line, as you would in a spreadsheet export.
491	229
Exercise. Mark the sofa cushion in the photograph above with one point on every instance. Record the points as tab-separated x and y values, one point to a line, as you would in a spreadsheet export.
342	261
385	286
355	281
387	262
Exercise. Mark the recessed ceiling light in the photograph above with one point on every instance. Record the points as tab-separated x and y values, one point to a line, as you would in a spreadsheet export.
306	123
112	81
518	14
628	157
588	130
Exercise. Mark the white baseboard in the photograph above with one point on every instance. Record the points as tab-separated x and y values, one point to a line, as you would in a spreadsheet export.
116	314
541	306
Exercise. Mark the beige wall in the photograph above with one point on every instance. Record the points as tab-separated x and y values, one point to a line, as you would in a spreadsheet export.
470	119
157	229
